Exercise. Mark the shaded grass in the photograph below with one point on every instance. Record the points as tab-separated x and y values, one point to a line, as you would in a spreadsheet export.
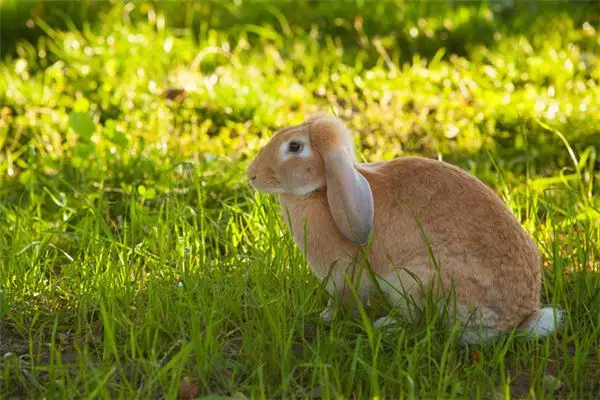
134	253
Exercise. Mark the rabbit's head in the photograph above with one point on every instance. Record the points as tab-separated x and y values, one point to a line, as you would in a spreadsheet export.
288	164
317	154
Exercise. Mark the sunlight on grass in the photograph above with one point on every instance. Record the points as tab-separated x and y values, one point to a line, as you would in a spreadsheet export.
134	253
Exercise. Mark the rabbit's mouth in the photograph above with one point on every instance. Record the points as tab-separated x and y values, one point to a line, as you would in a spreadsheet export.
264	181
272	190
302	191
266	188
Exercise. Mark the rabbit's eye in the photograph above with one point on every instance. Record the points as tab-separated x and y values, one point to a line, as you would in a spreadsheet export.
295	147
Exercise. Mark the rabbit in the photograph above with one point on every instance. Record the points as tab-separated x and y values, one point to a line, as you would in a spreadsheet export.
417	221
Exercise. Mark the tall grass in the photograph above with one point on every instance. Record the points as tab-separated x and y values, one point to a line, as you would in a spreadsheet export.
133	253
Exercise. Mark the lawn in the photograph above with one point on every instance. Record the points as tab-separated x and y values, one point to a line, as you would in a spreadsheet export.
137	262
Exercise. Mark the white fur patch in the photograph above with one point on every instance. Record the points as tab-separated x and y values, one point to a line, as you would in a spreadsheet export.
304	190
545	322
327	315
388	323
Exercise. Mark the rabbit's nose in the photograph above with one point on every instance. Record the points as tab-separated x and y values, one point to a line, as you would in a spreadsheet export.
251	172
251	175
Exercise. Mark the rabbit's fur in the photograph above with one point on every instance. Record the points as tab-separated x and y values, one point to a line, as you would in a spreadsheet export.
399	214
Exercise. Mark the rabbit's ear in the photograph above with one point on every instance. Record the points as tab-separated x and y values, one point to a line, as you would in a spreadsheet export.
349	195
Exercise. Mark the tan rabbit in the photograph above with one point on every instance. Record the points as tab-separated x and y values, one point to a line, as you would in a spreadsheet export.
414	219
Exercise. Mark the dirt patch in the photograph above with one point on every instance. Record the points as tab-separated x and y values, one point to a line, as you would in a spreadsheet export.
11	341
521	382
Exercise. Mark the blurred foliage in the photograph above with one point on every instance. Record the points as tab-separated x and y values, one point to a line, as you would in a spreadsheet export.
17	18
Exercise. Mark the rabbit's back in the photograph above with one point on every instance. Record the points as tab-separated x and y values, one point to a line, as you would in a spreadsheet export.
473	234
451	205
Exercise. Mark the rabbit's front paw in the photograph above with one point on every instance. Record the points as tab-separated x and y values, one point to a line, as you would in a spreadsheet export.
327	315
390	324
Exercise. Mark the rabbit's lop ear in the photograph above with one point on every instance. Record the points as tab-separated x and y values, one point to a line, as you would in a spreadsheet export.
349	196
348	191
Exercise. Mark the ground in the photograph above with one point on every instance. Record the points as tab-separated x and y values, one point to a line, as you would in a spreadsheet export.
136	261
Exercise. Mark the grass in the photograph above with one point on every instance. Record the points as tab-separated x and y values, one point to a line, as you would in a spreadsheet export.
134	254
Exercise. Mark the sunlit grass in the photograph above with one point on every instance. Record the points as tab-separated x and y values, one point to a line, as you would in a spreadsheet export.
134	254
